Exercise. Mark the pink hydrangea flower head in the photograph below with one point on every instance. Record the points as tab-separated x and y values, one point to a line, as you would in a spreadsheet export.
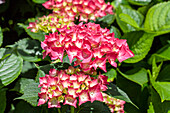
60	87
91	45
85	9
51	22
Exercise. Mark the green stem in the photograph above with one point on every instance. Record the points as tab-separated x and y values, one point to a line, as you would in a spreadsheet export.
79	110
59	110
72	109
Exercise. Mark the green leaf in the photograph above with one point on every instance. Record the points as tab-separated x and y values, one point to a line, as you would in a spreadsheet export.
116	92
158	18
29	69
1	36
127	19
115	31
164	74
39	1
151	109
42	70
163	89
159	107
27	66
138	76
38	36
21	85
143	10
139	2
66	59
108	19
116	3
3	54
137	95
3	100
155	69
133	15
24	107
140	43
162	54
111	75
150	77
29	50
30	90
10	68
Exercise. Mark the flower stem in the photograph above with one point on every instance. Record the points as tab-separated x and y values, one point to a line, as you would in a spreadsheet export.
59	110
72	109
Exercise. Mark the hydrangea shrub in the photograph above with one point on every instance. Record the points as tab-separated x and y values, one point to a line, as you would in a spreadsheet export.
84	56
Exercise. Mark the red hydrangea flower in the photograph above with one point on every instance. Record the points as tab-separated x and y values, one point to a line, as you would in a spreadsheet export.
86	9
90	44
60	87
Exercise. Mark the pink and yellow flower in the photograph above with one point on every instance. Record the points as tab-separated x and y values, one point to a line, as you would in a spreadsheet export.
90	44
51	22
84	9
60	87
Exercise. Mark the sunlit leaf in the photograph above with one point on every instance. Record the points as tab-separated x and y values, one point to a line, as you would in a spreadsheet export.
140	43
10	68
139	2
140	77
163	89
133	16
39	1
30	90
158	19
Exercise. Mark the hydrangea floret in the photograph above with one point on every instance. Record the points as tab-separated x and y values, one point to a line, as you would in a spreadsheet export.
86	9
115	105
90	44
60	87
50	23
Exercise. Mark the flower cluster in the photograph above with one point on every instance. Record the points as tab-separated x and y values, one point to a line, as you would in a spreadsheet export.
90	44
66	11
60	87
50	23
115	105
86	9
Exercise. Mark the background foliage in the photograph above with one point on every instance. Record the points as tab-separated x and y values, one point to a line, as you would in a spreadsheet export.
142	81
